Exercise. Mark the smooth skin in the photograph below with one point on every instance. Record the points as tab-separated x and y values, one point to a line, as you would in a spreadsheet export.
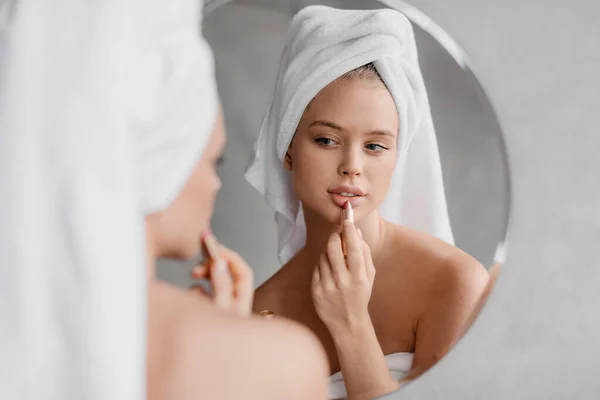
399	290
209	347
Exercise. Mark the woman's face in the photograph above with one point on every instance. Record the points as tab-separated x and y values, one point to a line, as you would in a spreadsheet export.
345	149
190	213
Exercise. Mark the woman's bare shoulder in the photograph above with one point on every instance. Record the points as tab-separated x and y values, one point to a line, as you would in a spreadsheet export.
233	357
439	263
449	283
427	248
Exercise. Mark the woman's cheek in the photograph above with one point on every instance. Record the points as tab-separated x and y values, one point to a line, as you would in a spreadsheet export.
381	185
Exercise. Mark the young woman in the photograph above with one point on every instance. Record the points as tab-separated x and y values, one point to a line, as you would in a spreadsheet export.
202	346
394	305
125	125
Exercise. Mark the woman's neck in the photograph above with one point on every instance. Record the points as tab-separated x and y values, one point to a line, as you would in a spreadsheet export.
318	231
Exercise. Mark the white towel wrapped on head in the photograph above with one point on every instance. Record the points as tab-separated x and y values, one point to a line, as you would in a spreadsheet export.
174	101
324	43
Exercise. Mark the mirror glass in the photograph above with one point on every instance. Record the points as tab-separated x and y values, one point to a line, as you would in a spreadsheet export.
415	301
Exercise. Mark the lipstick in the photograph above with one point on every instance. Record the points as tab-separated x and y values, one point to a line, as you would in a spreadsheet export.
347	215
347	212
209	249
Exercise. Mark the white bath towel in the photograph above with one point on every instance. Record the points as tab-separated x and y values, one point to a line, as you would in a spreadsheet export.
399	365
323	43
80	84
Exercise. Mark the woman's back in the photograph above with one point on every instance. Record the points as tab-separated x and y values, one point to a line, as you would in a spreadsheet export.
196	350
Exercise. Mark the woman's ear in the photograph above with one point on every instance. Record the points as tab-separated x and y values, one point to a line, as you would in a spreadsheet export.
287	161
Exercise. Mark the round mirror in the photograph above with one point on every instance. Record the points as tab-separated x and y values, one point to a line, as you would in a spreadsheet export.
413	316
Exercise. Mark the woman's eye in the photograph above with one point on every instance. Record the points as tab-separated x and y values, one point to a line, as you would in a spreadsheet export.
324	141
375	147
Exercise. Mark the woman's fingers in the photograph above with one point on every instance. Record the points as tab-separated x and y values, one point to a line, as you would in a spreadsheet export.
354	249
199	272
325	271
335	258
222	284
231	279
316	276
240	271
242	278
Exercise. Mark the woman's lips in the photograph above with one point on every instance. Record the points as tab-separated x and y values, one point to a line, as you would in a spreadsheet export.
340	200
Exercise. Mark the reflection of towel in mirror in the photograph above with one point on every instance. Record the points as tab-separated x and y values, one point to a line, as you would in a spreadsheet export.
399	365
86	89
324	43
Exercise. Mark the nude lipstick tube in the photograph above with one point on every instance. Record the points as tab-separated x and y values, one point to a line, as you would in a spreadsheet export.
347	212
209	249
347	215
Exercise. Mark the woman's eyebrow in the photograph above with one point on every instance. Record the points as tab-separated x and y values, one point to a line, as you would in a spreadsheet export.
325	123
383	132
332	125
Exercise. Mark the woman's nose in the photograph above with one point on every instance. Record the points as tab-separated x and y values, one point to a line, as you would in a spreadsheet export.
352	164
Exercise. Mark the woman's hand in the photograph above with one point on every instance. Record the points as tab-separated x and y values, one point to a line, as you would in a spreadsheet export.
231	280
341	288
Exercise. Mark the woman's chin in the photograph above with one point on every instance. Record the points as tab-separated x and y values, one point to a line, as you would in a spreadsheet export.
332	216
329	212
186	251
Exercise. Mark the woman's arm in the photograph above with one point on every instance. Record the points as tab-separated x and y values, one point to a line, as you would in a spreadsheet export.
365	371
341	293
453	297
494	271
